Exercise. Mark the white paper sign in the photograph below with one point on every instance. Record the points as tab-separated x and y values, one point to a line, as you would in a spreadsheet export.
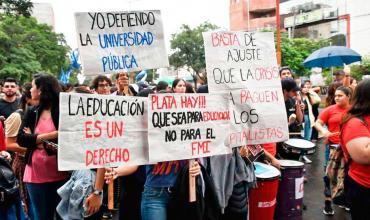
101	131
299	188
120	41
185	126
243	65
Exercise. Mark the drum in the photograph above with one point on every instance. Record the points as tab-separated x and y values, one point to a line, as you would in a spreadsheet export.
262	200
299	146
290	193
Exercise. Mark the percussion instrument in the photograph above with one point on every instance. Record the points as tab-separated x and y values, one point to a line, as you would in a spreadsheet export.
290	193
262	200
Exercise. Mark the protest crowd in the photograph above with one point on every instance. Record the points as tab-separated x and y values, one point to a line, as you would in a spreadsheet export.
29	135
234	148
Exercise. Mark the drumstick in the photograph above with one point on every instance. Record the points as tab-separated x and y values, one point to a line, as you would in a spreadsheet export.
295	133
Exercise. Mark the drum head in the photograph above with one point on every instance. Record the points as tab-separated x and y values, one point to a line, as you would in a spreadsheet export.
290	163
299	143
264	171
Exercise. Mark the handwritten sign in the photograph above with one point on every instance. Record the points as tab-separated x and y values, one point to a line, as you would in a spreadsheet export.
101	131
120	41
185	126
243	65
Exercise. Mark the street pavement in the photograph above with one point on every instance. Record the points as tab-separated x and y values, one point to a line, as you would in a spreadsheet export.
313	190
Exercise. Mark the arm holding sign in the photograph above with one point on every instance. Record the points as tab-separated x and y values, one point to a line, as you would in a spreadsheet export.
194	170
112	173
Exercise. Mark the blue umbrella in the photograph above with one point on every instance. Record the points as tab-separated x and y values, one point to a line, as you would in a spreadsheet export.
332	56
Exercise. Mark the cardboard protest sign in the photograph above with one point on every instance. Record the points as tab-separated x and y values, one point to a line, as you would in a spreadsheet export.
120	41
185	126
244	65
101	131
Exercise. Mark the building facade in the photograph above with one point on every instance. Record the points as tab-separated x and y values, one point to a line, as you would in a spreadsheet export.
345	22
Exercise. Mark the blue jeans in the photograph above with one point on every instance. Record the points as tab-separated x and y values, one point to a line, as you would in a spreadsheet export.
14	211
44	199
154	203
307	128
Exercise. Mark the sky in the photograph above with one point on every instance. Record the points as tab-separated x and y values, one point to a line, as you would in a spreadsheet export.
174	13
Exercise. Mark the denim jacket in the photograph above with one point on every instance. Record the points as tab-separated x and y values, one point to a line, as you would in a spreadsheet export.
73	194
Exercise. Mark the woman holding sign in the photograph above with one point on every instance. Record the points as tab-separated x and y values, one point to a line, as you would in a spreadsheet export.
39	135
161	177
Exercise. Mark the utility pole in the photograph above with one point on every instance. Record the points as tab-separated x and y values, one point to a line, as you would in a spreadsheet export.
278	37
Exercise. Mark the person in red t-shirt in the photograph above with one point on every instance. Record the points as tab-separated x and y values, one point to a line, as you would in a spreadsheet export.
2	138
356	148
3	153
332	117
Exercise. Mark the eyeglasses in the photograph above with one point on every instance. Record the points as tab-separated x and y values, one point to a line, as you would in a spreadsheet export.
103	85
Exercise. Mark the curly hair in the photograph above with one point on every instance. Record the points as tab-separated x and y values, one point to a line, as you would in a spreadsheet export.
100	78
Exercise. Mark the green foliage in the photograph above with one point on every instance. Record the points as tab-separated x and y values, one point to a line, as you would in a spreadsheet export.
188	47
357	71
16	7
295	51
27	47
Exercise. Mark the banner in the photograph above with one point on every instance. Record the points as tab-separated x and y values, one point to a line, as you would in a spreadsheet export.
101	131
243	65
185	126
120	41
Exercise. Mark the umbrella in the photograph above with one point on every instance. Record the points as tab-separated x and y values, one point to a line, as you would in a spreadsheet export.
332	56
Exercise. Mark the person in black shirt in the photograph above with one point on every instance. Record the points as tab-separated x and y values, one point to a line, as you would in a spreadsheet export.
294	111
293	105
9	103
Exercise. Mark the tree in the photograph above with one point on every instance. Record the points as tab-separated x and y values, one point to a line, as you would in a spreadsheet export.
295	51
16	7
27	47
188	48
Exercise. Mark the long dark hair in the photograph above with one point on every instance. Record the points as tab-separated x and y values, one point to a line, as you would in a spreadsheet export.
26	94
175	82
360	102
50	89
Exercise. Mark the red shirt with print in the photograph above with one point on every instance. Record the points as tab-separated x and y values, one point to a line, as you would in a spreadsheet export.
332	117
358	172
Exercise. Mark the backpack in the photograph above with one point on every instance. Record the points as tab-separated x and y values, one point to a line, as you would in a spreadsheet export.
9	186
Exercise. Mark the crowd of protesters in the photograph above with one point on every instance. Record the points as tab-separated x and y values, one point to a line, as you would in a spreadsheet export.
29	137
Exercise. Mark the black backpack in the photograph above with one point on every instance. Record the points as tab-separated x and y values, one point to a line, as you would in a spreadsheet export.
9	186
